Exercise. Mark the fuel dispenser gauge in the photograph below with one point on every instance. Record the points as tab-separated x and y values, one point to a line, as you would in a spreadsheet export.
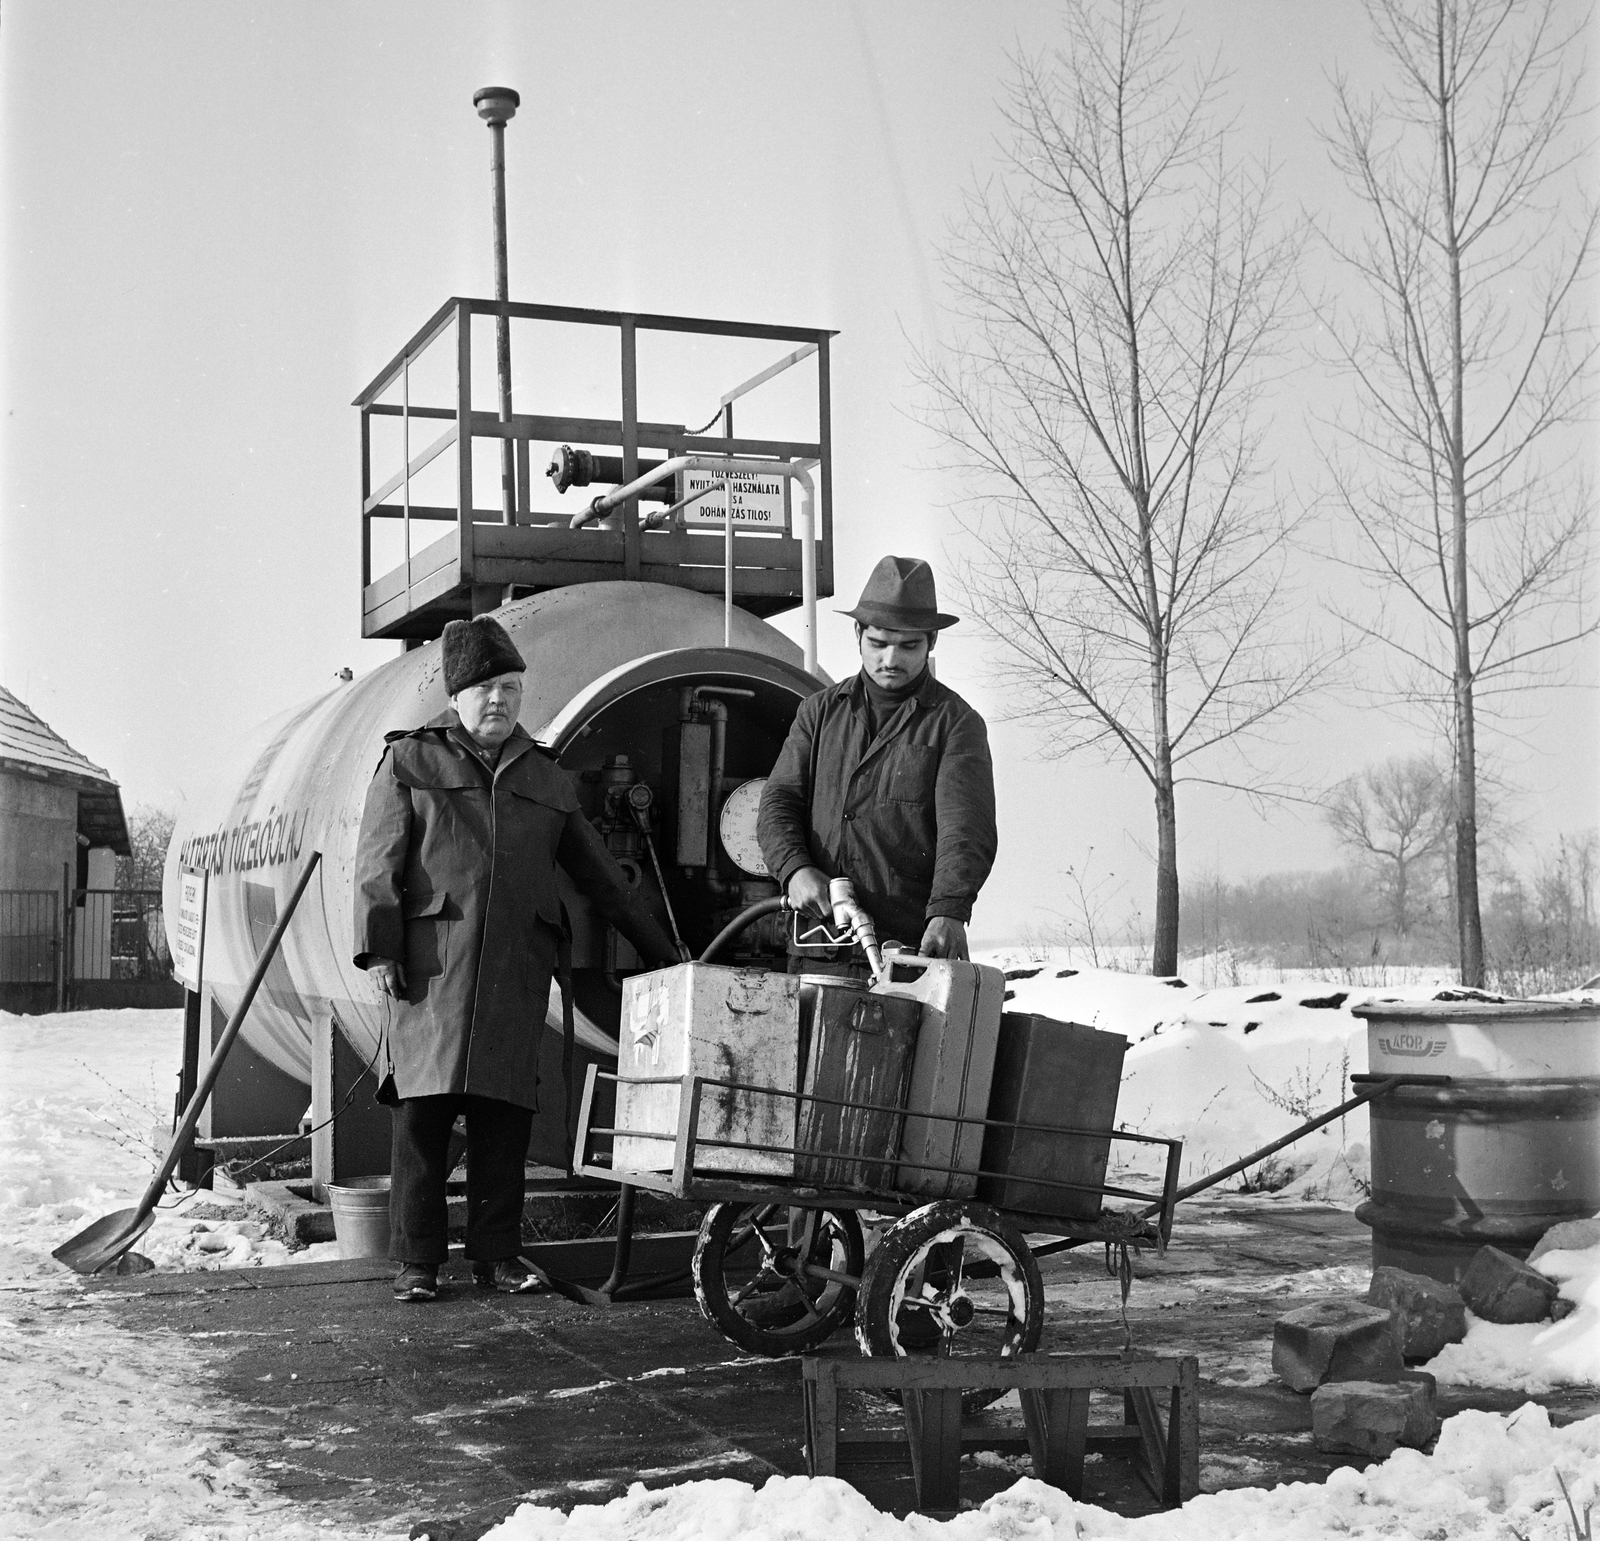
738	827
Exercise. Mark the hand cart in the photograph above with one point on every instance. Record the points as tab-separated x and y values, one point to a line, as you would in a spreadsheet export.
782	1264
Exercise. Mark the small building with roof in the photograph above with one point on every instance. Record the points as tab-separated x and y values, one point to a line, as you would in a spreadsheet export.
62	827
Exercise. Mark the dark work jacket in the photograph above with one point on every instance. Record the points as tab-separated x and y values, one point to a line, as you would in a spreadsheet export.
907	816
455	879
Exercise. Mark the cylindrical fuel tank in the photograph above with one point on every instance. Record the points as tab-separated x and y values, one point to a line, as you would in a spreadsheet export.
608	668
1510	1147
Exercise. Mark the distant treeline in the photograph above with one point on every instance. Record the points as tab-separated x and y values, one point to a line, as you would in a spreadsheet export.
1540	925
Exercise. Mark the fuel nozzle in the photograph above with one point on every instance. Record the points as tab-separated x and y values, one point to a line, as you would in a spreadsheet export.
848	914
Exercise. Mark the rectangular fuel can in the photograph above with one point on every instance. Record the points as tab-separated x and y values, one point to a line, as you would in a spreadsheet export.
1054	1073
951	1071
729	1024
858	1068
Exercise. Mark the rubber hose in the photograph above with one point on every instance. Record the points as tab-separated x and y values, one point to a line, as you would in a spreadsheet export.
738	923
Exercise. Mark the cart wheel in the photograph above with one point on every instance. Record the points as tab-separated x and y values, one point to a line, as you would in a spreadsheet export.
951	1279
781	1310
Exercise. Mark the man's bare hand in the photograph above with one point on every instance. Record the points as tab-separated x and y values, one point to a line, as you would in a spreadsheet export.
388	976
808	893
944	938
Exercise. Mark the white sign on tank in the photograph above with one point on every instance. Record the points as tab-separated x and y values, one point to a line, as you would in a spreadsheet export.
759	502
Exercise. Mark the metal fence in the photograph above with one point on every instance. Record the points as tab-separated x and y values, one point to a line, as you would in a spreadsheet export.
30	935
108	934
118	934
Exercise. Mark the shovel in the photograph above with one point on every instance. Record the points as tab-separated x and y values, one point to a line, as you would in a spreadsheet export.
109	1237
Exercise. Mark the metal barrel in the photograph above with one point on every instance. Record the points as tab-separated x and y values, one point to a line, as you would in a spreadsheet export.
599	655
1510	1147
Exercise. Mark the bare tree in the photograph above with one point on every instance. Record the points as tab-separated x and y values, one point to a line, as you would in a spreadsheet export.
1471	355
1117	289
149	835
1395	817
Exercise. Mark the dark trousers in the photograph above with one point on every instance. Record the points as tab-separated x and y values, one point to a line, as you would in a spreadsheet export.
497	1146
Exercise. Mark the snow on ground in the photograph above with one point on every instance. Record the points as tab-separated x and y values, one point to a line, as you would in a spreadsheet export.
1490	1476
109	1434
84	1096
103	1433
1535	1356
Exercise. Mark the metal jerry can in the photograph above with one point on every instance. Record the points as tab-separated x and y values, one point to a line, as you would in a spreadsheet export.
951	1071
726	1024
858	1059
1058	1074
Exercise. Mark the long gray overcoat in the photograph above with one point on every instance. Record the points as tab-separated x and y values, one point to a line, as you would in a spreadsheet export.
456	880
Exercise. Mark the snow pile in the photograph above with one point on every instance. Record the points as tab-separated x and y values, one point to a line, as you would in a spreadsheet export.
85	1100
1490	1476
1229	1069
1537	1356
1224	1070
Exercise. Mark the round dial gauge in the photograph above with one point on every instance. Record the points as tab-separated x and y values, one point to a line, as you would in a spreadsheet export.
739	827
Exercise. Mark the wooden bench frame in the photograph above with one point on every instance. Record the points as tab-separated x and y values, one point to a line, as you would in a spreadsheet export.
1056	1431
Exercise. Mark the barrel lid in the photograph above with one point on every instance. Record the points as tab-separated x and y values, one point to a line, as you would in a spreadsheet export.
1475	1010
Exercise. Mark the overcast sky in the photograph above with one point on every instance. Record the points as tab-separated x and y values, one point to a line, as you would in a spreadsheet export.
220	221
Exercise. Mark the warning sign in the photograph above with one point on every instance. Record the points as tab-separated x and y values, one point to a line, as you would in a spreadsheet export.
189	935
759	501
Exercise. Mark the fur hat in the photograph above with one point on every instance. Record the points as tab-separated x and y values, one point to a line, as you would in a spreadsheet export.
477	650
899	596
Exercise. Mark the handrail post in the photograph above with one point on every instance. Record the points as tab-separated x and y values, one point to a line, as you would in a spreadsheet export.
727	574
464	551
405	448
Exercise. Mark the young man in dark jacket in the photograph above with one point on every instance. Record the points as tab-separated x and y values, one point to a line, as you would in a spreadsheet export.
885	779
457	920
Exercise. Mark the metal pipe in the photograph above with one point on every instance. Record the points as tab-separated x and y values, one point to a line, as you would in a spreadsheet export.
727	572
405	435
808	569
497	105
793	469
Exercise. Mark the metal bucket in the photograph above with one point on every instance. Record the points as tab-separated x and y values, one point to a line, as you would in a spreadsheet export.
361	1216
1509	1148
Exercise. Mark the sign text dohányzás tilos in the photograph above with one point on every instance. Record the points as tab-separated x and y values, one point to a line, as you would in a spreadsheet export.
758	500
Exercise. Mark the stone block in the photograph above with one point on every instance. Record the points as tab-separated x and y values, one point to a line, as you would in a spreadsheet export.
1431	1314
1372	1418
1498	1288
1341	1341
1569	1236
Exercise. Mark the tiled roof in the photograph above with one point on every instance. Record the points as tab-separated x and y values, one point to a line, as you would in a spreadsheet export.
28	745
29	739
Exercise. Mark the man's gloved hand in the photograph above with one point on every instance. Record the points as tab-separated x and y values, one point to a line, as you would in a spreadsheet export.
944	938
808	893
388	976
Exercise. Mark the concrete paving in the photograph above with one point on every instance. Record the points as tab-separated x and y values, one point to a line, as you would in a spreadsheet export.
441	1418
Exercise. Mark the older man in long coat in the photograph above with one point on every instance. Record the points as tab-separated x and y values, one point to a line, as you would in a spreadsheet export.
458	920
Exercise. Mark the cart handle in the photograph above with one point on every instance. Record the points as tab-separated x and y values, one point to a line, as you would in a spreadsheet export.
1379	1086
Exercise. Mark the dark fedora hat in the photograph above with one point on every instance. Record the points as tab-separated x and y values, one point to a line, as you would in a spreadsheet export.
899	596
477	650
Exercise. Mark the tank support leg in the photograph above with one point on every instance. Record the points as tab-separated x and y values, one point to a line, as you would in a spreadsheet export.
356	1141
624	1252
